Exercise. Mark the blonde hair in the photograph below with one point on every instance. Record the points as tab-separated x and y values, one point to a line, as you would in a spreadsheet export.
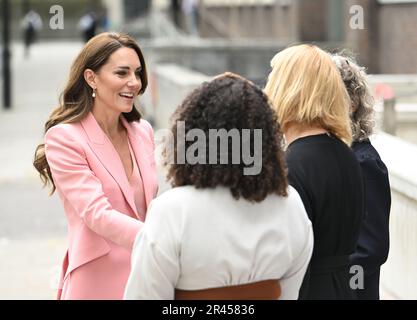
305	88
361	99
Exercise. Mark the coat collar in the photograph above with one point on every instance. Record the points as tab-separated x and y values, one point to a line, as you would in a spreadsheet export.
108	156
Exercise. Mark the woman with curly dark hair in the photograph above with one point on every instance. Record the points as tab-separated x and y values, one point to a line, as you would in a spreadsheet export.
224	232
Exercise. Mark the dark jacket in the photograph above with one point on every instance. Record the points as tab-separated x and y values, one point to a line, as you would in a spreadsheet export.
328	178
373	243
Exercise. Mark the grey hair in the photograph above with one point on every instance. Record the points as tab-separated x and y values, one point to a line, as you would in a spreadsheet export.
362	101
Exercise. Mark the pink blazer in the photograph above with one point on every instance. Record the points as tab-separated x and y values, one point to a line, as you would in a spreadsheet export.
96	195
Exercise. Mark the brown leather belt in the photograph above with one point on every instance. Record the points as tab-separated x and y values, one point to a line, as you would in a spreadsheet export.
262	290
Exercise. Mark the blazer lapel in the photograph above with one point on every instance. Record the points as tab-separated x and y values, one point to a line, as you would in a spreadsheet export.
143	160
108	156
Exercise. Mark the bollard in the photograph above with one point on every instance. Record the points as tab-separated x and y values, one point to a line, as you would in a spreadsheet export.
389	116
6	56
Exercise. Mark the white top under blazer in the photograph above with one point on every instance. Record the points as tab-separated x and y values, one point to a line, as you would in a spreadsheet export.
204	238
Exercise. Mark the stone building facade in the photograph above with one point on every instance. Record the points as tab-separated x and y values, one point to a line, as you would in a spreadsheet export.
387	43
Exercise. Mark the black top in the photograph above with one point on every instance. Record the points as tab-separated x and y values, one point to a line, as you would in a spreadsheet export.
373	243
326	174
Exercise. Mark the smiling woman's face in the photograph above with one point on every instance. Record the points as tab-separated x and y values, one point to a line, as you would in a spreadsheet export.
118	81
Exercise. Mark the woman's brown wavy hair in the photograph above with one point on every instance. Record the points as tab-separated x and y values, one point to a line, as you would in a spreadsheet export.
76	99
231	102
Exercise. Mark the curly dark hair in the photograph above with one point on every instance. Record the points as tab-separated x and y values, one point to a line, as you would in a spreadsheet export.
231	102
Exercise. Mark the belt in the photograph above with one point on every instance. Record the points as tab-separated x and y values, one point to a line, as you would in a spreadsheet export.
262	290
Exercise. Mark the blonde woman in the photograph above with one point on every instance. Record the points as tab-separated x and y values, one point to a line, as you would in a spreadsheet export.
312	105
373	243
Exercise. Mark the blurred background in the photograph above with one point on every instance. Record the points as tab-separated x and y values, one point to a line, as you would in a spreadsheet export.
186	42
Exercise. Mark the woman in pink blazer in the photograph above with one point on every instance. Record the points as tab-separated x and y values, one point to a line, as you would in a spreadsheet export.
98	155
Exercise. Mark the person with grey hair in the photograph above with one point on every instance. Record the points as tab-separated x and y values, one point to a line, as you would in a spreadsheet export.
373	242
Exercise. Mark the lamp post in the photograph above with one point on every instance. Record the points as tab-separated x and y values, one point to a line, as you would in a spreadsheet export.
6	56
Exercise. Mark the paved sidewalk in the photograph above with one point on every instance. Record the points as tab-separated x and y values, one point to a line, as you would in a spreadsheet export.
36	84
32	228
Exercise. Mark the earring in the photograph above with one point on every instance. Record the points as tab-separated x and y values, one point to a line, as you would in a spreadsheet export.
94	93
